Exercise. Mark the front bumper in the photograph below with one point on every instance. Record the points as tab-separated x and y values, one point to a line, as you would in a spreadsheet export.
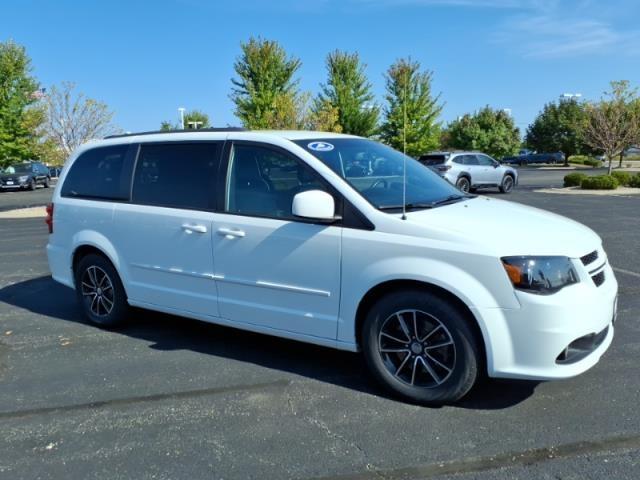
553	336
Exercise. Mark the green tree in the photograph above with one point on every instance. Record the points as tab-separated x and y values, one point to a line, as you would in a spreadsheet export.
265	93
20	114
167	126
559	127
614	121
488	130
349	92
196	119
324	117
412	111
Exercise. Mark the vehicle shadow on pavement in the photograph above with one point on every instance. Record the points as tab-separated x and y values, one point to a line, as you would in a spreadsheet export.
43	296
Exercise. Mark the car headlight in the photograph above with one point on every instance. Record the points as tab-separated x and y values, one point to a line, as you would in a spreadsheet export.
540	275
23	178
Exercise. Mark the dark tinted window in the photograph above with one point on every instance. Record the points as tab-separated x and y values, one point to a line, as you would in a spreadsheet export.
433	159
179	175
99	173
263	182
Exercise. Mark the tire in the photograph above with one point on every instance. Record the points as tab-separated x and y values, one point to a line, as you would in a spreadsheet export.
464	184
435	375
507	184
47	182
103	301
523	163
32	185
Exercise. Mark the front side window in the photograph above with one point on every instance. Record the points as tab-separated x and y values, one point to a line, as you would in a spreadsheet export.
99	173
377	173
177	175
262	182
485	161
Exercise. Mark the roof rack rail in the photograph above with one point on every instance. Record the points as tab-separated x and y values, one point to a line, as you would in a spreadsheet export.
189	130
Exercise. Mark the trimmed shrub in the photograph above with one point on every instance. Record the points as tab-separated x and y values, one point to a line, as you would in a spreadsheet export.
635	181
593	162
574	179
600	182
578	159
624	178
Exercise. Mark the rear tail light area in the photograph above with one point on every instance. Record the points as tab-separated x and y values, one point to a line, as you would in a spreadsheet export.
443	168
49	219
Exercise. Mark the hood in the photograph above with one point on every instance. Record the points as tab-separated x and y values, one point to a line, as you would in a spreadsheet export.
510	228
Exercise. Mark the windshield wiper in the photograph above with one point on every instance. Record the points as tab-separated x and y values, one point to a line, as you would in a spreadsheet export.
408	206
450	199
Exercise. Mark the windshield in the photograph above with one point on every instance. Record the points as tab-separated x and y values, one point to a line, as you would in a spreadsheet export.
20	168
376	172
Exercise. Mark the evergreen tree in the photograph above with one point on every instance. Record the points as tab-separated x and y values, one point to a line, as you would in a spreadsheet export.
348	92
412	110
265	93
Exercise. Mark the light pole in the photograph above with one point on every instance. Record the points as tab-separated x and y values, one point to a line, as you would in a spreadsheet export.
181	110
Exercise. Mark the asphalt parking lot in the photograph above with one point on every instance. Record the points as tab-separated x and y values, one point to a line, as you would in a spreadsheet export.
170	398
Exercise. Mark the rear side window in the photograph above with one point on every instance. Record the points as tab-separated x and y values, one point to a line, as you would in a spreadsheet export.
177	175
433	159
101	173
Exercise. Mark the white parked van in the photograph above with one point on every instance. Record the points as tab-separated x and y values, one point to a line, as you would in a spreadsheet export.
334	240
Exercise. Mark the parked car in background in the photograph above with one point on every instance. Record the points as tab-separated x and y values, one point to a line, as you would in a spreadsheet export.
54	172
526	157
25	176
471	170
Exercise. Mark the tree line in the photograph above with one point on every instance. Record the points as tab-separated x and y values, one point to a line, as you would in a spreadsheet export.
266	93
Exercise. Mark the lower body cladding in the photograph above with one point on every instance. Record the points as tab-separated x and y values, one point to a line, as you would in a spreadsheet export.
551	336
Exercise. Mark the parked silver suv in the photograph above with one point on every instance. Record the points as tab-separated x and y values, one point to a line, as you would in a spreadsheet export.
471	170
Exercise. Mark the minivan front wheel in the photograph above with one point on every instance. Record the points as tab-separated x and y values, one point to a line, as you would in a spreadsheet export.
421	347
100	291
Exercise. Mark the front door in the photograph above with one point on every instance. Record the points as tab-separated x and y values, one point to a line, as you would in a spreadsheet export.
164	234
272	269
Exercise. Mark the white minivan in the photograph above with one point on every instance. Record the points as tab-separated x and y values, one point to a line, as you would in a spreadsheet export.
334	240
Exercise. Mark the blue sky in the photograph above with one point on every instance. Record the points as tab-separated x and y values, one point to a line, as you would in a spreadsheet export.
145	59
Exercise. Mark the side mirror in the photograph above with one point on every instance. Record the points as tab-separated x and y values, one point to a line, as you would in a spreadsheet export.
314	205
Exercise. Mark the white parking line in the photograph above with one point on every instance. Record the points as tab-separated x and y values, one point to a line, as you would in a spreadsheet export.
628	272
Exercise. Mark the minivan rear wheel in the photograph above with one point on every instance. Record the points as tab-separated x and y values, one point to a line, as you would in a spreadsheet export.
421	347
100	291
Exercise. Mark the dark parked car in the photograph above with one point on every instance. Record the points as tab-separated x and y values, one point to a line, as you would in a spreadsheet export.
526	157
25	176
54	172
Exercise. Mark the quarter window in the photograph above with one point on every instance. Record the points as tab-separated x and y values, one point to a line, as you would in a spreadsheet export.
178	175
100	173
263	182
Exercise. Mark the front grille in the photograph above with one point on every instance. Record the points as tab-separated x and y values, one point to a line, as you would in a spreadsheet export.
598	278
589	258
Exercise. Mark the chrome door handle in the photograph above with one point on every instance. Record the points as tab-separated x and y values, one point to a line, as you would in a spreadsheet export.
230	232
190	228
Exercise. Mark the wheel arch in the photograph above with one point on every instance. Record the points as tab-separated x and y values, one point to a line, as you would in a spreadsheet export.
387	287
87	242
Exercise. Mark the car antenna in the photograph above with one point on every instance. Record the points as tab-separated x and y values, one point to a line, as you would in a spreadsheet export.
404	149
